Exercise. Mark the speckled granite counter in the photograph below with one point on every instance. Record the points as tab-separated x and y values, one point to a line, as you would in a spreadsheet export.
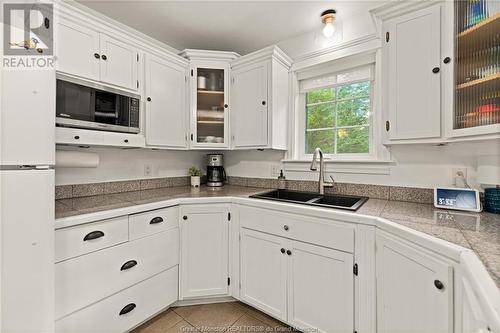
477	231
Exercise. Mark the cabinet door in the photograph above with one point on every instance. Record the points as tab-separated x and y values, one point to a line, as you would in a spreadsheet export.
204	250
414	78
414	288
119	63
77	50
320	288
166	110
263	272
249	106
210	105
473	317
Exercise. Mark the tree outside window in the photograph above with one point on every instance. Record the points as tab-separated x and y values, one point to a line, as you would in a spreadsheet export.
338	119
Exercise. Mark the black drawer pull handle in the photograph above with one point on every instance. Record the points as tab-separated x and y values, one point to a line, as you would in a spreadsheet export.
96	55
283	250
286	227
438	284
129	264
93	235
435	70
184	217
289	252
103	57
127	308
156	220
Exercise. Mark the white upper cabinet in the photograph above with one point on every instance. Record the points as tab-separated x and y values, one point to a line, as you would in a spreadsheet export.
204	263
209	98
119	63
259	100
249	104
77	50
90	54
166	103
414	288
412	53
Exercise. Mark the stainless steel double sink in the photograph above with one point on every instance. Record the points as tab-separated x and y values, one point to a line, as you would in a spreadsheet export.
347	202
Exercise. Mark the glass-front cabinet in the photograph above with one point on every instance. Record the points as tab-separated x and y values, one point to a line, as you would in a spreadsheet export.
211	107
477	67
209	98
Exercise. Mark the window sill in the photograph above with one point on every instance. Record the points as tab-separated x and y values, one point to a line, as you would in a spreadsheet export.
353	166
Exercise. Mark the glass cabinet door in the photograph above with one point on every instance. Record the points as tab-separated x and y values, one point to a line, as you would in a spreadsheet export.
477	71
210	106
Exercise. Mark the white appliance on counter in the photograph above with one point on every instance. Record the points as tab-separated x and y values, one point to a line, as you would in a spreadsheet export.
27	153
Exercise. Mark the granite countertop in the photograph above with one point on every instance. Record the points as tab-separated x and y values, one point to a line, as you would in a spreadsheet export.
479	232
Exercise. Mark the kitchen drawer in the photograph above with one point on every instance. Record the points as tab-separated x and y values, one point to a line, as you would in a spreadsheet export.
65	135
74	241
86	279
329	233
149	223
149	297
123	139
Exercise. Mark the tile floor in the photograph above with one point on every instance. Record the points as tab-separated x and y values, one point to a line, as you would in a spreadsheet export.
220	317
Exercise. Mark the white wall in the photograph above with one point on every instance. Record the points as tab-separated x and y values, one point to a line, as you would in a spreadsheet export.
124	164
414	165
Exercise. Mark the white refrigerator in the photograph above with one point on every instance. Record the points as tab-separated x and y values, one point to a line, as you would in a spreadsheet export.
27	154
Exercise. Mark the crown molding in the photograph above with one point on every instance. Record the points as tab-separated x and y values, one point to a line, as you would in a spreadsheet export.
195	54
360	45
272	51
396	8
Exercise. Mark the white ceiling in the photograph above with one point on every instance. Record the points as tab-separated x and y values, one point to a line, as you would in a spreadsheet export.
240	26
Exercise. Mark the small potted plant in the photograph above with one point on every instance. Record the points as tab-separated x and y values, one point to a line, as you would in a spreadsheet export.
195	174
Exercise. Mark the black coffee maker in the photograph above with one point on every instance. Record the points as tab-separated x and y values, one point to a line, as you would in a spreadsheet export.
216	175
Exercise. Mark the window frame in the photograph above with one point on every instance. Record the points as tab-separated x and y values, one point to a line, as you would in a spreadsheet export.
302	123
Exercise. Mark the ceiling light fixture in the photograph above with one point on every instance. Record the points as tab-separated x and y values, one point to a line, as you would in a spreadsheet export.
328	19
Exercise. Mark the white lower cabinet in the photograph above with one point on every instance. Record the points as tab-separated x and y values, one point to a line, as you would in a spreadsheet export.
320	288
127	309
204	259
414	288
310	287
86	279
263	272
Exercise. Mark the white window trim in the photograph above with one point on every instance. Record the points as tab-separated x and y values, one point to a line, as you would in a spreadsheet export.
378	153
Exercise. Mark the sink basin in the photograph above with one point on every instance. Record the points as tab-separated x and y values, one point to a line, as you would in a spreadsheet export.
347	202
287	195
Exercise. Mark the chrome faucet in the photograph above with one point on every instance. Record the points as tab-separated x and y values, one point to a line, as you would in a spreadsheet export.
322	184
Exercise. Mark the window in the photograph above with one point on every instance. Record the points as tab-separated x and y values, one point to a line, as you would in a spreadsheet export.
338	112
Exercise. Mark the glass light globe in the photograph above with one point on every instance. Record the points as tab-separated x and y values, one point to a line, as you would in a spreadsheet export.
328	30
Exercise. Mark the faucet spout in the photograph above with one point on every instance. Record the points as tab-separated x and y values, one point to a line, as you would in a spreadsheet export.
314	166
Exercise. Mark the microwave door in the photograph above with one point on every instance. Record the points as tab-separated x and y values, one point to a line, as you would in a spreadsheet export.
74	102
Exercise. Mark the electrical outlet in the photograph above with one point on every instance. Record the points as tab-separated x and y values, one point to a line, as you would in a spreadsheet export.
275	170
456	174
148	170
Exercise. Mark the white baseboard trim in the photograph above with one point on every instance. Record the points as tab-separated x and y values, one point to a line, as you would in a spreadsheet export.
207	300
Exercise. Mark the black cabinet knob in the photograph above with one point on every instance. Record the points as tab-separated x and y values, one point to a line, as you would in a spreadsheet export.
93	235
184	217
77	137
435	70
128	265
438	284
263	102
226	106
446	60
148	99
156	220
283	250
286	227
126	140
104	57
127	308
289	252
96	55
